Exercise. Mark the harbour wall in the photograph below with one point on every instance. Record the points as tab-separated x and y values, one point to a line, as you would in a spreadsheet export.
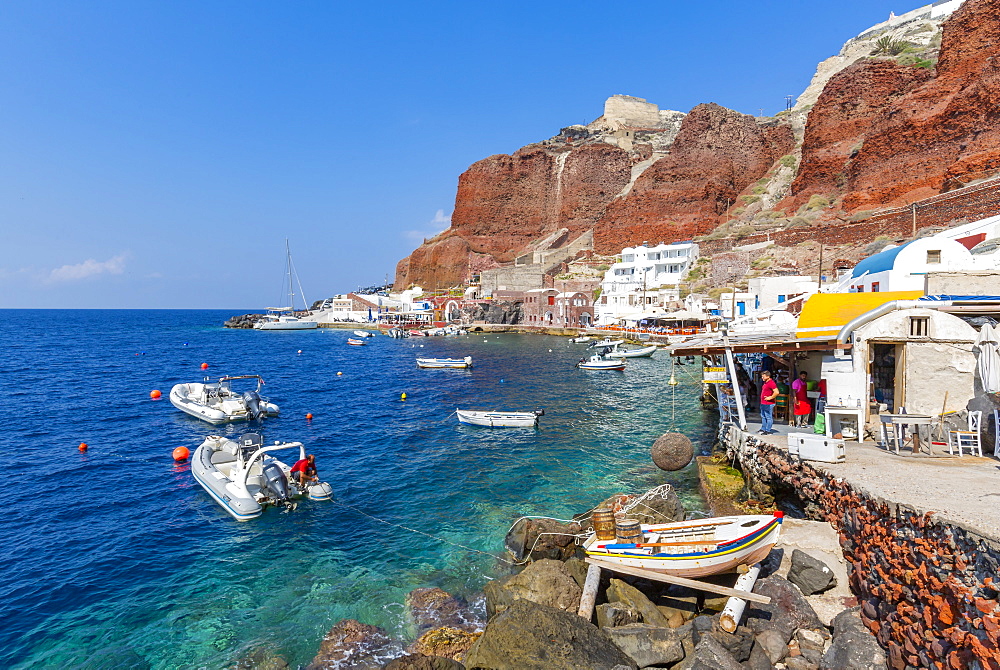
928	587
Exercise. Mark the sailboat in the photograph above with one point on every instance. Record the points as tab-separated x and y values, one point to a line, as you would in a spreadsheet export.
283	318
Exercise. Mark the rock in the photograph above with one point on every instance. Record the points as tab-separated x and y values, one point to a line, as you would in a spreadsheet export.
787	611
675	617
661	508
497	597
810	574
772	643
524	538
709	654
647	645
672	451
800	663
529	636
853	647
633	598
432	608
814	640
701	625
616	614
445	641
259	659
578	568
758	659
352	645
421	662
546	582
738	644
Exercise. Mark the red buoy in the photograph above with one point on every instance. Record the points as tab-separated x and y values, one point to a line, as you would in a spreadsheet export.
204	366
181	454
154	394
82	447
309	417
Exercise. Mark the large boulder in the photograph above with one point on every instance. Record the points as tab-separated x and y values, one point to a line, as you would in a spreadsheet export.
352	645
660	505
445	641
810	574
526	539
616	614
529	636
421	662
546	582
709	654
854	647
787	611
620	592
432	608
648	645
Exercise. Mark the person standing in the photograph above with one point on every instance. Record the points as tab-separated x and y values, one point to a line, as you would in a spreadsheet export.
802	407
768	396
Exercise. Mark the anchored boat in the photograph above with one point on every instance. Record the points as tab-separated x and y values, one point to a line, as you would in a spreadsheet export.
444	362
500	419
363	333
244	477
356	343
645	352
217	402
693	548
598	362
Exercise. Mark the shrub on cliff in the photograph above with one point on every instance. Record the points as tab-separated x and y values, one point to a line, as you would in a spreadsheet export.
788	161
887	46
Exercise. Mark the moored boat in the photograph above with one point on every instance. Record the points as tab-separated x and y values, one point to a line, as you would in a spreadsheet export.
356	343
598	362
244	477
285	318
217	402
444	362
363	333
499	419
645	352
581	339
693	548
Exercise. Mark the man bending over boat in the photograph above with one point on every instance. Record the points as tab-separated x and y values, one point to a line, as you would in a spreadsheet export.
306	470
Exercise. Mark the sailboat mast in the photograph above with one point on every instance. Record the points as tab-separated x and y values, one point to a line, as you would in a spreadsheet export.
288	273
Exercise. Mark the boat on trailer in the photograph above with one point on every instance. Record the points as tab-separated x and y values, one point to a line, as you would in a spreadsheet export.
500	419
244	477
693	548
598	362
217	402
439	363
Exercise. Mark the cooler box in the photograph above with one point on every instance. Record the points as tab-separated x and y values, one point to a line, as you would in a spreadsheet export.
812	447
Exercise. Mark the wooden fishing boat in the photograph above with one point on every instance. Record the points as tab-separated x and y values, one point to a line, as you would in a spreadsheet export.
356	343
439	363
693	548
500	419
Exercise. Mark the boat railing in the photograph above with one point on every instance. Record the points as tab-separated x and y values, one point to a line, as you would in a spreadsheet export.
260	452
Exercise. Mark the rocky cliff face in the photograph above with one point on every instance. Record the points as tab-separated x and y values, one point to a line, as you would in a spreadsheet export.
717	154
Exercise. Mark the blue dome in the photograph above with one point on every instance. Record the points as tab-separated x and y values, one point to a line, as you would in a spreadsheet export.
880	262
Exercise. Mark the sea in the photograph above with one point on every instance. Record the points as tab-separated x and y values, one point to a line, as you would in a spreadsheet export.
116	558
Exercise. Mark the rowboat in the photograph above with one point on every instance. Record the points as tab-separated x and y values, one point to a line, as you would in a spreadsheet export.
500	419
445	362
597	362
357	343
693	548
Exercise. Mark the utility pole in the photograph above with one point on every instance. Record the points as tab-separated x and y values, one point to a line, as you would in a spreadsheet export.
914	208
819	277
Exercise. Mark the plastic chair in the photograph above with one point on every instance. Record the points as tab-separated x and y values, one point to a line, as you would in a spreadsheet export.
781	407
967	438
892	433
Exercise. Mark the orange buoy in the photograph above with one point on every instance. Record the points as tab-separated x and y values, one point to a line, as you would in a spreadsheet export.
181	453
83	447
309	417
154	394
204	366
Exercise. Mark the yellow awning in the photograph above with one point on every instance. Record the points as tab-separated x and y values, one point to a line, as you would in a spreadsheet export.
824	314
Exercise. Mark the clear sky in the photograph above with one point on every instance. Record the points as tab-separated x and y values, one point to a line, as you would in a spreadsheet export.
157	153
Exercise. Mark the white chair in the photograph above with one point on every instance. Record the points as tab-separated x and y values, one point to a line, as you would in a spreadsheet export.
892	433
967	438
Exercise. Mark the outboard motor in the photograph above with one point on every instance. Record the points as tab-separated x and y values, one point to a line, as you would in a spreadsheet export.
254	406
276	482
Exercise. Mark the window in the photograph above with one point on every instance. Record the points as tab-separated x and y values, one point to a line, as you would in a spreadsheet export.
861	288
874	287
934	257
552	300
781	298
919	326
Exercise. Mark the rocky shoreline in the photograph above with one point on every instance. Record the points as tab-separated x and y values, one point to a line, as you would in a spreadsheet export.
531	618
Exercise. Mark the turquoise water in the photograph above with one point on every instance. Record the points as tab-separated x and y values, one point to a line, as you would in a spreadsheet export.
116	558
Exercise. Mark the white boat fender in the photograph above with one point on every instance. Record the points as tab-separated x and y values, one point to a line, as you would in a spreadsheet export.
319	491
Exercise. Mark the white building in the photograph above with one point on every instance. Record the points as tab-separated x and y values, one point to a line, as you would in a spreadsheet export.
904	268
633	284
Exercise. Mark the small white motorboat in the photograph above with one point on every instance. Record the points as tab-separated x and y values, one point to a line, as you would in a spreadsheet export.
217	402
364	333
356	343
606	343
500	419
645	352
581	339
444	362
397	333
244	477
598	362
693	548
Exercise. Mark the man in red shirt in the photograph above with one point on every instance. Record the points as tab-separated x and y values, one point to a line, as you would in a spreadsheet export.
768	398
306	470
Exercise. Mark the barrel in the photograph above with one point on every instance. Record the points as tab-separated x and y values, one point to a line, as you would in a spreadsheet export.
628	531
604	523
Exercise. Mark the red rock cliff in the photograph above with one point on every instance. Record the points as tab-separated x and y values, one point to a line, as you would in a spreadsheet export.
717	154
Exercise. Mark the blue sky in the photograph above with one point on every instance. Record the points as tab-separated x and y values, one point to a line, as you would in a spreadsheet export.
156	154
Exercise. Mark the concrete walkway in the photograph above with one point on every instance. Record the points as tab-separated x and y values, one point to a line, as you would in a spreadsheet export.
963	490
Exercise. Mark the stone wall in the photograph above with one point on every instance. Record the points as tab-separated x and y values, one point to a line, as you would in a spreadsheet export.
928	588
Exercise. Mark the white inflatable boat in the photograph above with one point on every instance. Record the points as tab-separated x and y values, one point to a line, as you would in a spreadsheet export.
244	477
217	402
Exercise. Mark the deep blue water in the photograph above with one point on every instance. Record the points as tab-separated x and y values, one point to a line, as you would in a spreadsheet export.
117	558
